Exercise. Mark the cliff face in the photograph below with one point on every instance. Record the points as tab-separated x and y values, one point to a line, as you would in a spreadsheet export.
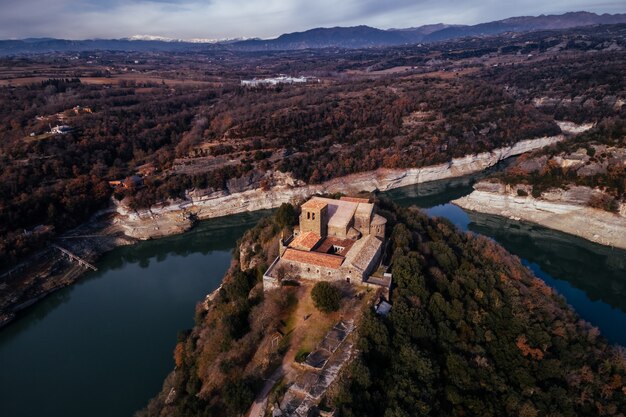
254	194
559	209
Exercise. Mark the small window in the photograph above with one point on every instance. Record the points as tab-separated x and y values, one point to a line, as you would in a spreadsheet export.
308	215
318	271
308	270
313	216
328	273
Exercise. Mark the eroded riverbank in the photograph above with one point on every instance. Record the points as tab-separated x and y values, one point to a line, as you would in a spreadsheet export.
116	328
47	271
561	210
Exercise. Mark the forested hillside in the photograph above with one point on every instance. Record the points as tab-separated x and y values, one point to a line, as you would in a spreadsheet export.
184	122
473	333
595	159
315	132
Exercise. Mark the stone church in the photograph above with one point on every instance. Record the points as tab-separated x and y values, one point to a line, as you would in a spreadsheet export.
336	240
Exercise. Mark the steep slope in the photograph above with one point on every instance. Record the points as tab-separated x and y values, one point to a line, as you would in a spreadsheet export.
577	187
471	332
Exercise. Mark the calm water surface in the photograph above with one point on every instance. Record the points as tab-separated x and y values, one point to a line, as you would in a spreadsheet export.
591	277
102	347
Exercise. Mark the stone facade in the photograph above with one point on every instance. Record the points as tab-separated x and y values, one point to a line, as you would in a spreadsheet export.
314	218
336	240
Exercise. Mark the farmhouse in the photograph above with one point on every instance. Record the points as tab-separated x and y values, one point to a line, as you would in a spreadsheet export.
336	240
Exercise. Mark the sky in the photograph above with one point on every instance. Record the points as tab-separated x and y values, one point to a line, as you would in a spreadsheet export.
219	19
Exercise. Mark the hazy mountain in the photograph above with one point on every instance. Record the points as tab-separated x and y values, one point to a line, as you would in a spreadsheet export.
365	36
192	40
336	37
418	34
527	23
341	37
44	45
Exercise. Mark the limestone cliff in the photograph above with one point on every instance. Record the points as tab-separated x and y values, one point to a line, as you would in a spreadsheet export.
255	194
559	209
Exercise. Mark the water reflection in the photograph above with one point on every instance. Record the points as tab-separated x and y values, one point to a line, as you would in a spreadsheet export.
598	270
591	277
103	346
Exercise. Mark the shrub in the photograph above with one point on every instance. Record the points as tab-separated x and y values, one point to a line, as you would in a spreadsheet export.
326	297
522	193
286	215
603	202
237	396
536	192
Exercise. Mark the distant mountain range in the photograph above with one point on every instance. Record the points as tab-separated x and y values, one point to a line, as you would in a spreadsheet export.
337	37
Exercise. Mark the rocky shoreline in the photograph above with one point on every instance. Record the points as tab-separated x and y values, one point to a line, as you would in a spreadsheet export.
179	216
562	210
46	271
49	270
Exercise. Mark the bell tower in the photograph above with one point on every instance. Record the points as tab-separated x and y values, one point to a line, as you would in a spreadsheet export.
314	217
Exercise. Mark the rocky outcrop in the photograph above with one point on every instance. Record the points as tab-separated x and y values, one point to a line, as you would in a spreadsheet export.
559	209
572	128
274	188
152	223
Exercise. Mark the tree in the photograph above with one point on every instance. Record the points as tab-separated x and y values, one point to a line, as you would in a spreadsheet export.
286	215
326	297
237	397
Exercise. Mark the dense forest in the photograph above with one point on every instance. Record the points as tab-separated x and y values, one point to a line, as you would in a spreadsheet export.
314	132
473	333
60	180
596	159
184	122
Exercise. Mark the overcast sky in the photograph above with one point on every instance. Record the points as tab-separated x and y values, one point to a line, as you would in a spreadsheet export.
82	19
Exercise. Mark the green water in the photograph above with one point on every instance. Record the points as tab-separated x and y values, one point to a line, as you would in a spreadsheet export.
591	277
102	347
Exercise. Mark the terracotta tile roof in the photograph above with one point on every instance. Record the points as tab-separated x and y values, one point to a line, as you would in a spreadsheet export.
355	199
313	258
315	204
305	241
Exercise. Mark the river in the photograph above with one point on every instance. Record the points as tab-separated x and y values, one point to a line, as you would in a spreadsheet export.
102	347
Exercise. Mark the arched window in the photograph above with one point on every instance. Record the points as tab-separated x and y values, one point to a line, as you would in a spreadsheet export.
308	215
313	216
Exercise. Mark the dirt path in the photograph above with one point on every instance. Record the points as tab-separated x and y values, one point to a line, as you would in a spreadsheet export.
260	402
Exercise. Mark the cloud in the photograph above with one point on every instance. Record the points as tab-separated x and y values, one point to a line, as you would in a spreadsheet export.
79	19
